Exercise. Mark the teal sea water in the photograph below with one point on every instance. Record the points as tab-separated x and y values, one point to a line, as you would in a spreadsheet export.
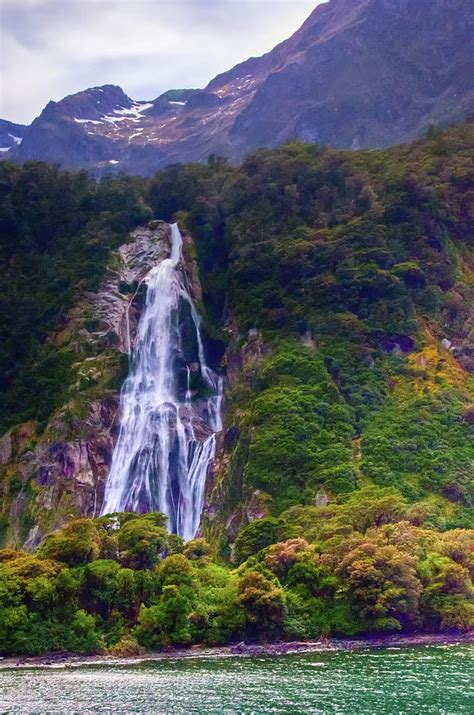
436	680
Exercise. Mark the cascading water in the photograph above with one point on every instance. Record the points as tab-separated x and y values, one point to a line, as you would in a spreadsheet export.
167	439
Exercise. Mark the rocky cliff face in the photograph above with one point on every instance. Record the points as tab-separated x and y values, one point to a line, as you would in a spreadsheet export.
364	74
11	136
357	74
48	478
229	505
114	305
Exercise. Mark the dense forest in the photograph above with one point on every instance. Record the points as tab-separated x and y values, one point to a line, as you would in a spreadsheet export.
57	231
124	584
341	284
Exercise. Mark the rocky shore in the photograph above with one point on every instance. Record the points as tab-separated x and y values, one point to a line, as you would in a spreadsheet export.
246	650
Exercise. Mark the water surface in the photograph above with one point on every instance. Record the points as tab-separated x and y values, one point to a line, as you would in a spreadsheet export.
431	679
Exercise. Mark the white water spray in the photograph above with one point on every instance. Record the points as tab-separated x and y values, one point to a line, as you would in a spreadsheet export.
166	440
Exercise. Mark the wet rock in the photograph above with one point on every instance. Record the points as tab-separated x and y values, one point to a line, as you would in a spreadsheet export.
465	356
115	311
240	647
307	339
43	476
22	436
397	344
322	498
233	524
251	650
469	415
231	437
216	351
6	448
69	472
33	539
257	507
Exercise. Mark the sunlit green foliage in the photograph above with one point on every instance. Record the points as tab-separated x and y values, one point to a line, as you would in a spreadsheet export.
352	268
364	565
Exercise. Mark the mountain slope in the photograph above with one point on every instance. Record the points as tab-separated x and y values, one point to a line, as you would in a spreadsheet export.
368	73
357	74
340	285
67	132
11	135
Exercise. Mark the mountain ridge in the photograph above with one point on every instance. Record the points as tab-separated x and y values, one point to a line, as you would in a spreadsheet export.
357	74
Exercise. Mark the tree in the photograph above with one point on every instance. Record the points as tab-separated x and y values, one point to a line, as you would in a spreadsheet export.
76	544
447	599
197	549
374	506
100	586
256	536
280	558
142	541
382	584
263	603
167	622
83	636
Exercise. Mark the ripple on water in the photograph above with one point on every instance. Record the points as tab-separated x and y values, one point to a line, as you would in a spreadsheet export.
425	681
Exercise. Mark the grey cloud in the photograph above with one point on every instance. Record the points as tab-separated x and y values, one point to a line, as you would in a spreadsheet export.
51	48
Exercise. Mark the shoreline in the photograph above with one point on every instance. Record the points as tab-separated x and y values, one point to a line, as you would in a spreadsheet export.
242	650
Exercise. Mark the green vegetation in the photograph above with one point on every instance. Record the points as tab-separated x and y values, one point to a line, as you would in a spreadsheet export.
343	285
349	269
121	583
57	231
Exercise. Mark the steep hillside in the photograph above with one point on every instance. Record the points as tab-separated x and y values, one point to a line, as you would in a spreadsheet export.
357	74
369	73
348	298
341	499
352	312
341	283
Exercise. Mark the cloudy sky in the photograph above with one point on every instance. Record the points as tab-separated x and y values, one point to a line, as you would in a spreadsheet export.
50	48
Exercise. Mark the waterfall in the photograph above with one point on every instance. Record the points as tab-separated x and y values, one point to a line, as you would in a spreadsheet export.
167	432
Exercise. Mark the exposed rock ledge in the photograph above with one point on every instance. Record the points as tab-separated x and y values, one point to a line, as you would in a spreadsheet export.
50	478
113	304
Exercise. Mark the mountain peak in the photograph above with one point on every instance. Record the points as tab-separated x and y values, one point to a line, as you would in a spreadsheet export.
93	102
357	74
